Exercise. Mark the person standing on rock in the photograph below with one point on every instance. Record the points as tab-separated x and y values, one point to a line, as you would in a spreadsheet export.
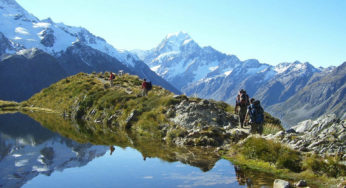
249	108
242	101
256	113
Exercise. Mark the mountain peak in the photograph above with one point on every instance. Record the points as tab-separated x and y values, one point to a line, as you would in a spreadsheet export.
181	35
174	41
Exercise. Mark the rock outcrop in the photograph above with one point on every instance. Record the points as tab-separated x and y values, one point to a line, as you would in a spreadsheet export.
325	135
201	123
190	114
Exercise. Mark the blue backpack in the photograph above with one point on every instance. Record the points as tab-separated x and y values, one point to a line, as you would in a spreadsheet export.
256	112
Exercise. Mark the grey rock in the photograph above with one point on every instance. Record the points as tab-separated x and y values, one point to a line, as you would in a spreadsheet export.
325	135
48	37
281	184
189	114
301	183
131	117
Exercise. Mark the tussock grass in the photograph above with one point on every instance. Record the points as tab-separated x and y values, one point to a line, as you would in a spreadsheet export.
270	128
274	158
272	152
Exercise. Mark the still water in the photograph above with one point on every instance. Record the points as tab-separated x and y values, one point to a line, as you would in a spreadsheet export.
32	155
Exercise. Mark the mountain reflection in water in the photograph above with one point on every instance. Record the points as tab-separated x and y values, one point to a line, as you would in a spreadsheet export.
33	156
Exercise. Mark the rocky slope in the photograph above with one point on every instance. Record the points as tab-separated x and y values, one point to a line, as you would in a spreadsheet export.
325	135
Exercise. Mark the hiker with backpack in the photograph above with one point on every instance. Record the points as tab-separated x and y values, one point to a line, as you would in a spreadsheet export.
256	113
242	101
146	86
111	78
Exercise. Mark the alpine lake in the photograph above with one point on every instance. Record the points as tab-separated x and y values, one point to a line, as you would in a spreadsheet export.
45	150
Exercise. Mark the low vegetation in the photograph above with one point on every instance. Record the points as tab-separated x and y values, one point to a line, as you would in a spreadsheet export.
273	157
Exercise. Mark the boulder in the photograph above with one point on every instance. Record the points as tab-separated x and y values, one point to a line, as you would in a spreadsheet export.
301	183
281	184
189	114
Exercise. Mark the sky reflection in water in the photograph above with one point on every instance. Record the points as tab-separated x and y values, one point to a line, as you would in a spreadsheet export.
126	168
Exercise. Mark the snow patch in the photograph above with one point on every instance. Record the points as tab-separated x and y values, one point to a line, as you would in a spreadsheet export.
155	68
227	72
256	69
22	31
203	70
187	41
213	68
40	169
21	163
41	24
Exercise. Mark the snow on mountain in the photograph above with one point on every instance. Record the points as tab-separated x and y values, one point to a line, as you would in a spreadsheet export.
173	42
74	49
208	73
24	29
28	150
181	61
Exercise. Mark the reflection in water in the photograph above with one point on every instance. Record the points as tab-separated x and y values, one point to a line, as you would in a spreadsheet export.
30	151
111	148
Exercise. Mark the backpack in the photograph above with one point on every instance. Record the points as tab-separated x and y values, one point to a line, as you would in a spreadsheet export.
149	86
112	76
256	112
243	99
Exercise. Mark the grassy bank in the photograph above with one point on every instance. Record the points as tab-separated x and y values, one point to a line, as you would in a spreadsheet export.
274	158
13	107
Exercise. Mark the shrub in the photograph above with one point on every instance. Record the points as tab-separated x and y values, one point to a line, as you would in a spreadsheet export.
329	166
272	152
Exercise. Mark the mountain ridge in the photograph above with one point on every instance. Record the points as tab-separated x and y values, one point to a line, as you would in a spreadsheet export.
208	73
75	48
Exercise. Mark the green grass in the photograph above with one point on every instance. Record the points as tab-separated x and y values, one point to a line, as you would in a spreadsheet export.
272	152
270	128
274	158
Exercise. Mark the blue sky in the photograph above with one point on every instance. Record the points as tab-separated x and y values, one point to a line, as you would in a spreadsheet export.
271	31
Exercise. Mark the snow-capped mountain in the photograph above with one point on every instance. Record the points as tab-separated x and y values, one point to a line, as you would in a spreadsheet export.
28	150
324	92
75	48
26	31
181	61
208	73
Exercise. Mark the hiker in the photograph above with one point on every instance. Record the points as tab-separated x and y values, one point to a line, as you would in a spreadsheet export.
146	86
242	101
111	78
256	113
